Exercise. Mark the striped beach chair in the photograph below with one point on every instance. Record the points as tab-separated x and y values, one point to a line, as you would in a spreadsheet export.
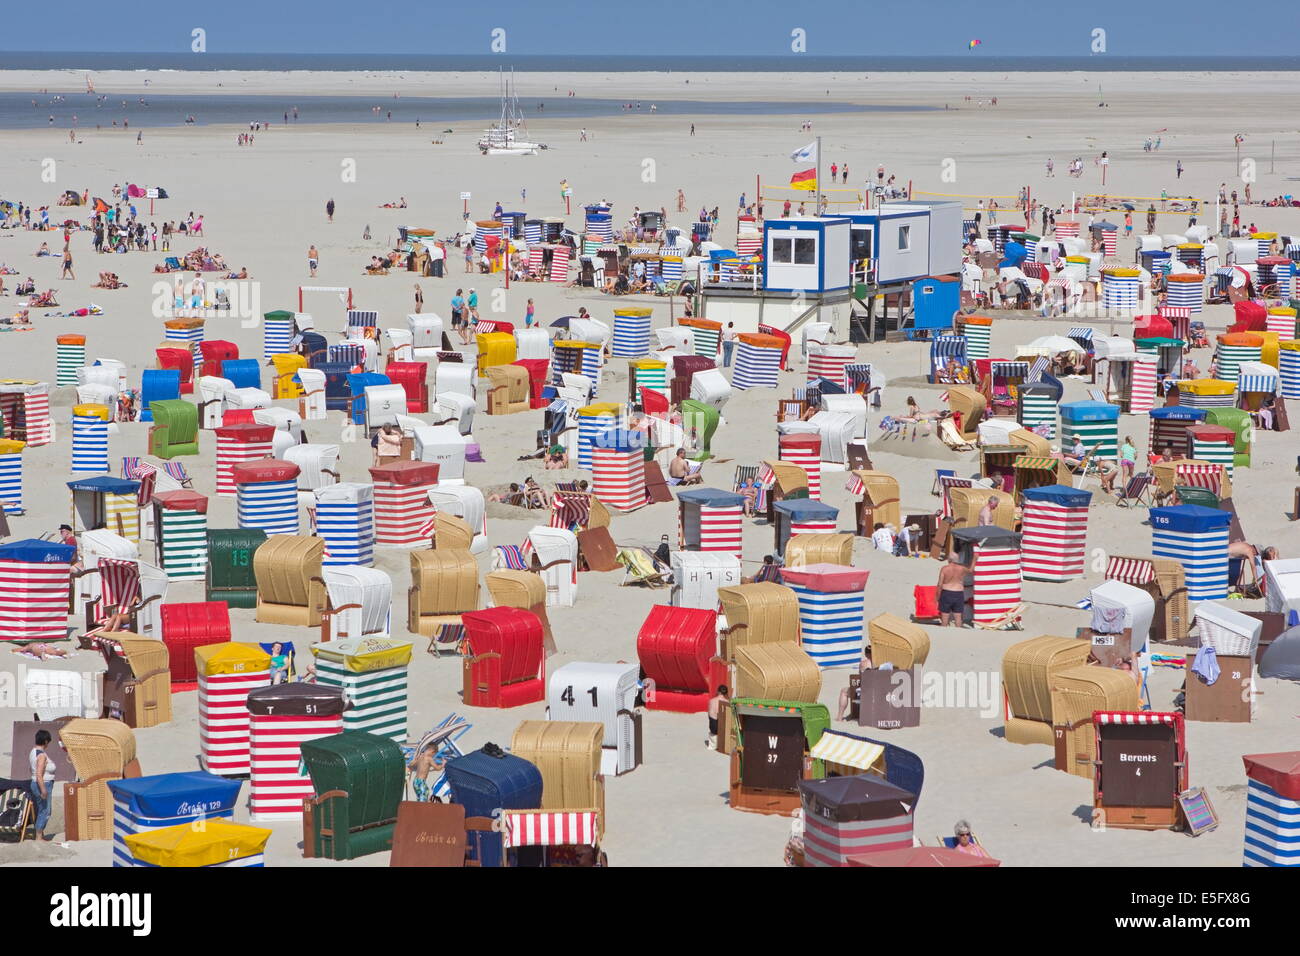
509	557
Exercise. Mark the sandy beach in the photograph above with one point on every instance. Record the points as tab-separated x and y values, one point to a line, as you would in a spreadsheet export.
264	205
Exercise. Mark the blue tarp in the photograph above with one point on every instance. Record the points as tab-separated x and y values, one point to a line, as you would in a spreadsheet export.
106	484
806	509
36	551
711	497
1188	518
1061	495
194	794
1089	412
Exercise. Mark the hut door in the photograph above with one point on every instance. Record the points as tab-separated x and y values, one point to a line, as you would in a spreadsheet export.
773	752
1137	765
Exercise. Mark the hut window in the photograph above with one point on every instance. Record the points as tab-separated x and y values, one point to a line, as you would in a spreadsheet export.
904	238
781	250
805	252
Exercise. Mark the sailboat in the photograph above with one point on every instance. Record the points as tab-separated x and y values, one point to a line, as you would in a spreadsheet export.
504	138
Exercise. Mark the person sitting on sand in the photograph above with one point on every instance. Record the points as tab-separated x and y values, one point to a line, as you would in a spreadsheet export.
44	250
1078	452
515	496
534	496
556	458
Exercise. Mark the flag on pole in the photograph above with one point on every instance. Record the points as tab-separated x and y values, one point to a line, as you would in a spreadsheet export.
806	155
804	180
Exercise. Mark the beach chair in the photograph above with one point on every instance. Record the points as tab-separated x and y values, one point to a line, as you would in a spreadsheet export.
940	473
766	572
1097	395
1137	491
120	594
640	567
1187	495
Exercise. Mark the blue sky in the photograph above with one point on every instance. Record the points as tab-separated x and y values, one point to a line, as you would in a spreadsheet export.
759	27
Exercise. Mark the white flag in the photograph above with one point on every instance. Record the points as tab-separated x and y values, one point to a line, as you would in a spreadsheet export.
806	155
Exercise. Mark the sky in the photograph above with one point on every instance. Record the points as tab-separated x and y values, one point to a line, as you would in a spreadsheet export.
659	27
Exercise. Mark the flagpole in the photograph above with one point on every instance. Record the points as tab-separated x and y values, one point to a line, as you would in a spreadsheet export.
819	175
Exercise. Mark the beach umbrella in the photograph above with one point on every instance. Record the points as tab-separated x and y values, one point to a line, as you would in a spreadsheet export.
562	322
1049	345
1129	206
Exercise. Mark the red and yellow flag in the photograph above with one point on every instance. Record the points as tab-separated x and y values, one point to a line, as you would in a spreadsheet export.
804	180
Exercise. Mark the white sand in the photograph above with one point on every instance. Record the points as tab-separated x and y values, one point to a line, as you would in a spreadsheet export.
263	206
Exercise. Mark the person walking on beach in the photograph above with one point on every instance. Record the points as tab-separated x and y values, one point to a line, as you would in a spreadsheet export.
582	138
329	210
1051	168
692	129
419	299
1151	219
1128	224
844	171
1179	169
313	260
530	314
728	343
835	171
67	264
42	781
469	257
952	592
458	316
471	307
681	201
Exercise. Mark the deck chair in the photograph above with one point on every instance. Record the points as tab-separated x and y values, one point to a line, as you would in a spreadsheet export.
1097	395
940	473
176	470
1137	491
745	473
766	572
446	639
640	567
17	814
1005	622
1081	470
951	841
509	557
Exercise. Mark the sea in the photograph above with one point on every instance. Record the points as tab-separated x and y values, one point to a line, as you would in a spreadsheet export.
66	103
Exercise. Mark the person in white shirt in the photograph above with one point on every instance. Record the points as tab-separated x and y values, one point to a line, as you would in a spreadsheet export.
882	538
728	343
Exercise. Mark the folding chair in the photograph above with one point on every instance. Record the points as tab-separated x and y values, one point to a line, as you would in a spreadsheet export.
509	557
1097	395
640	567
1080	471
1137	491
938	474
176	469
